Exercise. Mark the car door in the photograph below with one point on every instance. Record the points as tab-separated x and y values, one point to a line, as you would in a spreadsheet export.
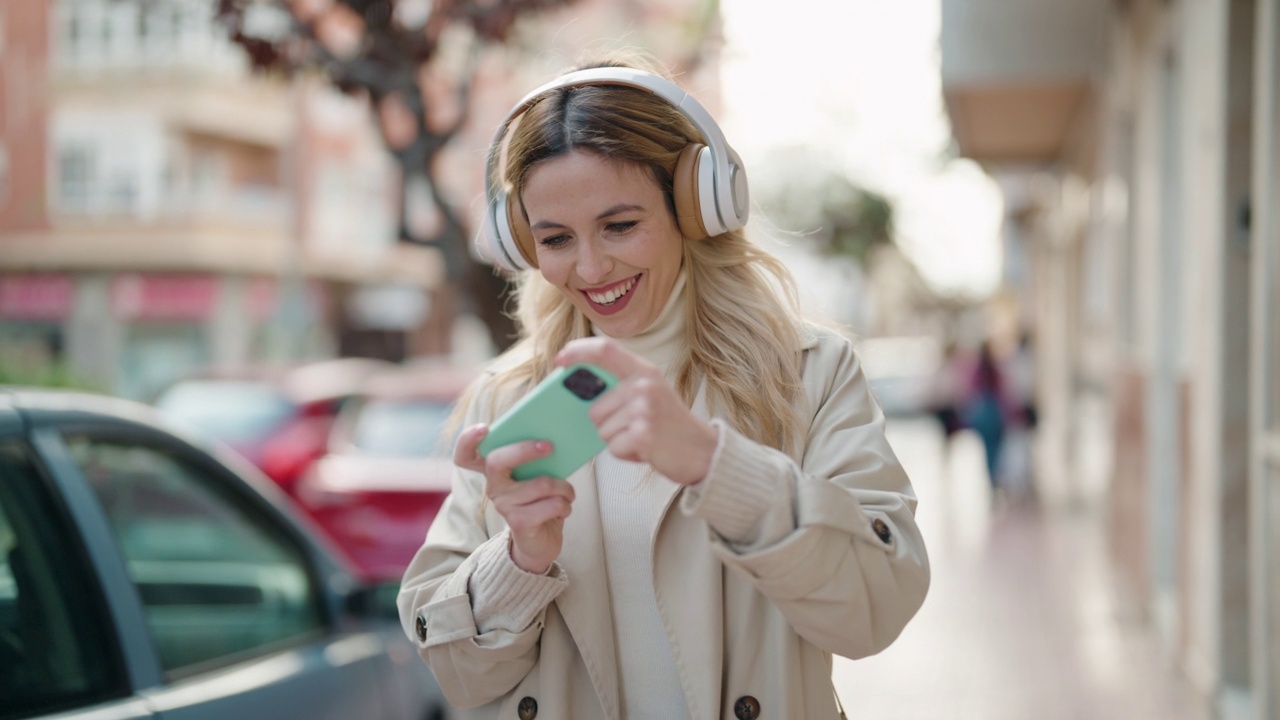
238	610
59	650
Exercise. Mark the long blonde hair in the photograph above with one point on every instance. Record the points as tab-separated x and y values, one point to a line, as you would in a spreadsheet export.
742	338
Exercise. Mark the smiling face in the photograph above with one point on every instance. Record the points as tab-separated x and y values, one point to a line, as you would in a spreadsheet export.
605	238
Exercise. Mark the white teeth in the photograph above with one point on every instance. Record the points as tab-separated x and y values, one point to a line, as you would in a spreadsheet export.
608	298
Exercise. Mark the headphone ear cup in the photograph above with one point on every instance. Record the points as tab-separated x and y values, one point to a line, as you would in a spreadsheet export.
708	194
685	191
502	247
521	233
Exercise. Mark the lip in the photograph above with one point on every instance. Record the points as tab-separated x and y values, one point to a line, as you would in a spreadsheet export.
618	305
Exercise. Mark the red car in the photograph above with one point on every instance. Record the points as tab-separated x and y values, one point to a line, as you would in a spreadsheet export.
278	419
388	468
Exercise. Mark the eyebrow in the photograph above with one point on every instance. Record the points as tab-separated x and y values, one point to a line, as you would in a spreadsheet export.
619	208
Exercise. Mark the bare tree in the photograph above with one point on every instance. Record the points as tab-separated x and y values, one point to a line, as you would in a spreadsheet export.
415	62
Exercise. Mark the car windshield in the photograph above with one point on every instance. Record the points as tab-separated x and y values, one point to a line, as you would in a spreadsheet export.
401	428
233	411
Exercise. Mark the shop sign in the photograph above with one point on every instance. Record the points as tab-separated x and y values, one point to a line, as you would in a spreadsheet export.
37	296
186	297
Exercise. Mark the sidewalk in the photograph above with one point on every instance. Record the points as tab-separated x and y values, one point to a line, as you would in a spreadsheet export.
1025	618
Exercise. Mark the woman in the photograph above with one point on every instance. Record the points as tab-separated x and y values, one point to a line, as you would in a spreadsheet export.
748	519
986	409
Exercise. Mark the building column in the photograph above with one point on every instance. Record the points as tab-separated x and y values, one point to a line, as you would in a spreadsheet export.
230	329
1264	380
94	335
1158	286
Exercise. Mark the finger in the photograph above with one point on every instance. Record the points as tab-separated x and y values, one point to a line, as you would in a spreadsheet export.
465	453
534	490
506	458
531	517
603	352
627	399
626	444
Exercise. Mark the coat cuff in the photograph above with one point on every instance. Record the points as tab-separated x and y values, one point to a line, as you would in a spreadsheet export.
748	494
505	597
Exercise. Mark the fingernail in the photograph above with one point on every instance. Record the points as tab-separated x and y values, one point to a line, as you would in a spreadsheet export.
542	446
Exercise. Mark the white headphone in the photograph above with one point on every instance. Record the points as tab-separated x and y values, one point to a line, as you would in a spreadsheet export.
710	184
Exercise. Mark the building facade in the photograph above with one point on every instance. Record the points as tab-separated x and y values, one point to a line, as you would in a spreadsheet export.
1137	141
162	208
165	209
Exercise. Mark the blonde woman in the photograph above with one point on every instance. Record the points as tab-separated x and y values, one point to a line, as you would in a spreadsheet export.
748	519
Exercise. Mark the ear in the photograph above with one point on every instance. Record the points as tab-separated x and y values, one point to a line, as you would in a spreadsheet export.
684	188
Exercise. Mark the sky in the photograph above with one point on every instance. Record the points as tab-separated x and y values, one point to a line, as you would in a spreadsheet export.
859	79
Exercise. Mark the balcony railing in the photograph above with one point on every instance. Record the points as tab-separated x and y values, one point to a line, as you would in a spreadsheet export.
263	208
97	37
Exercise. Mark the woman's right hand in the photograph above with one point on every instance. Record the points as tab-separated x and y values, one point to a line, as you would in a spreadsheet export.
534	509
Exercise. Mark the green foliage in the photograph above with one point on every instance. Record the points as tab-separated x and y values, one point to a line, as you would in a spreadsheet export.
804	194
854	219
50	375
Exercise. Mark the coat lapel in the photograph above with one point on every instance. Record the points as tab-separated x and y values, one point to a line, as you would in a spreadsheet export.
687	582
585	603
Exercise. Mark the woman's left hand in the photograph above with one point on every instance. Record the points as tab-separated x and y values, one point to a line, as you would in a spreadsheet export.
642	419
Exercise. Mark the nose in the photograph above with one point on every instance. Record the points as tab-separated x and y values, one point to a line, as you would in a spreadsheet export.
594	264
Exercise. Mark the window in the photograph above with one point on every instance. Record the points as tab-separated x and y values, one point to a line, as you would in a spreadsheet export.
56	646
102	170
219	580
75	177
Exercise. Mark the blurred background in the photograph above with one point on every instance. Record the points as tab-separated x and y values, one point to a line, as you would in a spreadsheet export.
1050	226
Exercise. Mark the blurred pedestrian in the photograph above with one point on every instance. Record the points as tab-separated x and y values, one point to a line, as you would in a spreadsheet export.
984	407
748	519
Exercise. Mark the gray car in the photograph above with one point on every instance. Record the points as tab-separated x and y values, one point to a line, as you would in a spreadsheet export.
145	575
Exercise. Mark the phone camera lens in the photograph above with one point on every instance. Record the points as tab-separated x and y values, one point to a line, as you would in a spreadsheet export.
584	383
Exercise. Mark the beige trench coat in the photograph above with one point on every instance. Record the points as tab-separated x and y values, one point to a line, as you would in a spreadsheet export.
747	629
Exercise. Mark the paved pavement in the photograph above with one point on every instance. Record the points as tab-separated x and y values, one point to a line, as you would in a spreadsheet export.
1025	619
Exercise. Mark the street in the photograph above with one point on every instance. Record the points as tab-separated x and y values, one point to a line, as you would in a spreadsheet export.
1026	618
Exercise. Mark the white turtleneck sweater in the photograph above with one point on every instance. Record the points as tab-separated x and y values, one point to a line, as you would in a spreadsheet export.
743	509
632	500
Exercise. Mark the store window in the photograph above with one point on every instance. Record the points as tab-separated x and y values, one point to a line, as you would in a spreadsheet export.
155	354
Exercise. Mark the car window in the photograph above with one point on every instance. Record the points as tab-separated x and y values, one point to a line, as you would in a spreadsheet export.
401	428
56	647
219	580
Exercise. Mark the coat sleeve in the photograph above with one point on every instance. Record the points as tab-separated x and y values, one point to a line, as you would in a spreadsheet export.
475	617
850	569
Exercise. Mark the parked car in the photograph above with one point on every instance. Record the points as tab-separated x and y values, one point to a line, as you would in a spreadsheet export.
388	467
144	574
278	419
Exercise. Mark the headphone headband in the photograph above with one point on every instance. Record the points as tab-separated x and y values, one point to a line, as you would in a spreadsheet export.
723	196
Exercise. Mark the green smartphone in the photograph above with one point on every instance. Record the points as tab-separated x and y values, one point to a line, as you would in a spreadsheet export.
555	410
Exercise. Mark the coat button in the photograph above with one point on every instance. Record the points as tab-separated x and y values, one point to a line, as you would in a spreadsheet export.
528	708
882	530
747	708
421	626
